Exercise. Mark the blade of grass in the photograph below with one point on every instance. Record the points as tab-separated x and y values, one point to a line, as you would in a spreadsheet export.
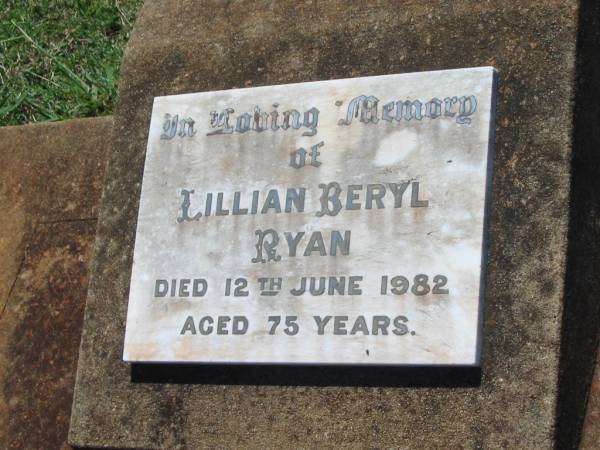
30	72
68	72
14	38
6	109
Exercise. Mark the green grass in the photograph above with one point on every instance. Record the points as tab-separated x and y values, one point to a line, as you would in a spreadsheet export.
60	58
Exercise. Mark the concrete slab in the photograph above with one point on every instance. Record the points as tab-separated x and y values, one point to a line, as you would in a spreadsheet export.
50	183
177	47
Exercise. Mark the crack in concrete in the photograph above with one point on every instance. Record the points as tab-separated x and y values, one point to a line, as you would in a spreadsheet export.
49	222
12	287
19	270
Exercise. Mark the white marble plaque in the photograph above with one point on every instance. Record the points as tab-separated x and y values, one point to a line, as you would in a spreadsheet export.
331	222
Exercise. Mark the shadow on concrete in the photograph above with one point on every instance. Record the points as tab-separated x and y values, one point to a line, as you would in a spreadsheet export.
308	375
581	315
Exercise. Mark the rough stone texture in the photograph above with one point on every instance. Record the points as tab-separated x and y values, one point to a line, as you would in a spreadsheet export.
180	47
50	182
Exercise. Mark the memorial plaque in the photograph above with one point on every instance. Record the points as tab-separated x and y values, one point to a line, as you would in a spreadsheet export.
331	222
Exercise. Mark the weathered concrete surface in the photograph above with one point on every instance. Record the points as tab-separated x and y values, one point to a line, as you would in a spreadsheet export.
50	183
177	47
